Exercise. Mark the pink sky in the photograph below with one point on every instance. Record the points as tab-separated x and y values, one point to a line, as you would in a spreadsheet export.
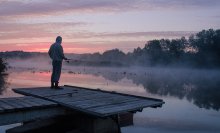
95	26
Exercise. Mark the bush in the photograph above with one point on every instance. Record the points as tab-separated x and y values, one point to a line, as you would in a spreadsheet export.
2	65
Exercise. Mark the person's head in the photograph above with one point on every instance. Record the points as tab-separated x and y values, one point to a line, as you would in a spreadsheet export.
59	39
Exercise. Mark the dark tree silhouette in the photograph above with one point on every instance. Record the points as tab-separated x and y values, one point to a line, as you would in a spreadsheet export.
2	77
207	42
200	50
2	65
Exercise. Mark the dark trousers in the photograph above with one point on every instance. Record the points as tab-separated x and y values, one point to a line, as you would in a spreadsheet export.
57	65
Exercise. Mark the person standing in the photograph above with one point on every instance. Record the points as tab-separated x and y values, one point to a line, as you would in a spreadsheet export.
57	55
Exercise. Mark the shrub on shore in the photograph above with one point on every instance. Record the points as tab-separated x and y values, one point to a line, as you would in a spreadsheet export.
2	65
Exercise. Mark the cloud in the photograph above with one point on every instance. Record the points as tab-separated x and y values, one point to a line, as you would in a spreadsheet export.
36	30
42	7
154	34
183	4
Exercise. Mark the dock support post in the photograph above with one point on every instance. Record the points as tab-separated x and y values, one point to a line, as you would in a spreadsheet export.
117	121
90	124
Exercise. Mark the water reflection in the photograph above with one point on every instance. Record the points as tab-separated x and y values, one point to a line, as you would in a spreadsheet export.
201	87
198	86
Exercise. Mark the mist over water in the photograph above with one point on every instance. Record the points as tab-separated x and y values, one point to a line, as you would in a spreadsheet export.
35	63
199	86
191	96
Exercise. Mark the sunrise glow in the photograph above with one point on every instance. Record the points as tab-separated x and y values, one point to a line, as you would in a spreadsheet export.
90	26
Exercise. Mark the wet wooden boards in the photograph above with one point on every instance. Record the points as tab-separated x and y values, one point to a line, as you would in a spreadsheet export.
22	109
23	103
93	102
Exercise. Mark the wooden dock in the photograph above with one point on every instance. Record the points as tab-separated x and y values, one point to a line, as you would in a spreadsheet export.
94	102
22	109
103	108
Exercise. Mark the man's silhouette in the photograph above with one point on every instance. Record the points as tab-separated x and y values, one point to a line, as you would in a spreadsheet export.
56	54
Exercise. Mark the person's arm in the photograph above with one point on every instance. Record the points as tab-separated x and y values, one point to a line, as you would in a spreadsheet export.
62	53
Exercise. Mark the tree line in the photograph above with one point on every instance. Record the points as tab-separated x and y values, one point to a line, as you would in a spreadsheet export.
201	50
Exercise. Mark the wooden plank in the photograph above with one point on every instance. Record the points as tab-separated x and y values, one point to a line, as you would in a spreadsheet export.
29	101
1	109
105	100
32	102
78	93
83	98
114	98
28	115
120	105
20	101
46	91
72	96
10	103
13	102
74	108
35	91
23	103
40	102
5	106
110	110
93	104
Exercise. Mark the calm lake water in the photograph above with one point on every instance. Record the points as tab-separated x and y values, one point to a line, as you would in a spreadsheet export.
192	97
